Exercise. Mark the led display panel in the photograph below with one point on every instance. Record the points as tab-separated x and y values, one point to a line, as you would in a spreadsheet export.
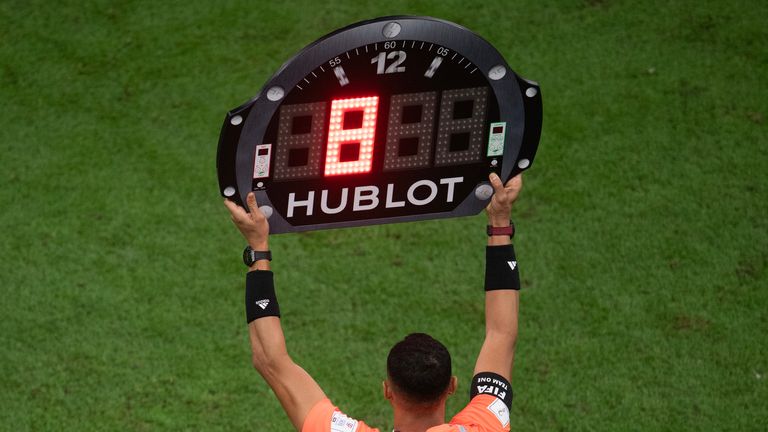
389	120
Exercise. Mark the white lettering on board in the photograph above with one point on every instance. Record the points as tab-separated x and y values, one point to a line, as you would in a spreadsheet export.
324	202
366	198
372	196
308	203
412	192
390	193
451	182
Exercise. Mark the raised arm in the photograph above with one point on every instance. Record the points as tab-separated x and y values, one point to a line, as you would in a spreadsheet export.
296	390
502	283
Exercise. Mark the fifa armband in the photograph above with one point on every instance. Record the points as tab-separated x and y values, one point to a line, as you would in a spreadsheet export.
491	384
260	298
501	270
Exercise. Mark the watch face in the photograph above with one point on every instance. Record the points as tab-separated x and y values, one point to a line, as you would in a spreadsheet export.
248	257
389	120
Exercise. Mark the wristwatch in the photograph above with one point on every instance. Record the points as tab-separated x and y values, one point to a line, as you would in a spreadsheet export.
250	256
497	231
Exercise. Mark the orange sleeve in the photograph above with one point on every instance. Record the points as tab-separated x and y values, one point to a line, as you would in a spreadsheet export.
484	413
325	417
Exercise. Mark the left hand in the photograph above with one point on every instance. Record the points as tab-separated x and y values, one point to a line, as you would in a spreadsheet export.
253	226
500	208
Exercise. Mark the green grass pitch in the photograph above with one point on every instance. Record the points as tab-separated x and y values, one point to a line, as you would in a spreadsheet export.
643	225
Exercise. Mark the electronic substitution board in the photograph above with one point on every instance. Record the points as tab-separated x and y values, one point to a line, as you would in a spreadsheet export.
389	120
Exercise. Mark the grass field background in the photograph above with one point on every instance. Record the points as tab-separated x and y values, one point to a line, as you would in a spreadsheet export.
643	225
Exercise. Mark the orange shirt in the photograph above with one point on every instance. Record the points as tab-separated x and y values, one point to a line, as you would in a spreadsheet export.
484	413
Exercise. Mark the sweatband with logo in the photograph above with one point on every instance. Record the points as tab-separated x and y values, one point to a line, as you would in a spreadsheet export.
501	270
492	384
260	299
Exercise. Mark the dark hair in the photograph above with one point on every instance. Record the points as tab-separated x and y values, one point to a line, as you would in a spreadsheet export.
419	366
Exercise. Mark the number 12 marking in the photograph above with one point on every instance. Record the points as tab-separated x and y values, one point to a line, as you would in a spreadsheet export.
394	67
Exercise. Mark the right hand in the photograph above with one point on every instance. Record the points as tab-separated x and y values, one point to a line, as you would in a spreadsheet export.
253	226
500	208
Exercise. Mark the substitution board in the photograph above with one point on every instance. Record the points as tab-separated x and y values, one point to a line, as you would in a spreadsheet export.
389	120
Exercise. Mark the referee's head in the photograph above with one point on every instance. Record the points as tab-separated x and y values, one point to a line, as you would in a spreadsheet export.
419	371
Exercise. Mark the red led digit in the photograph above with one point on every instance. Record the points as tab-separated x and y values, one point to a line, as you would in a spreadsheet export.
357	156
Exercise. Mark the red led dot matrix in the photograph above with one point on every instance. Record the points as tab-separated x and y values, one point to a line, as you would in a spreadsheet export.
364	135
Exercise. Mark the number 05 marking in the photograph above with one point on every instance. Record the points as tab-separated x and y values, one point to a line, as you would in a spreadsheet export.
361	137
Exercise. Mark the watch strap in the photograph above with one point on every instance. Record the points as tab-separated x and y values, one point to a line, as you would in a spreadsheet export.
250	256
498	231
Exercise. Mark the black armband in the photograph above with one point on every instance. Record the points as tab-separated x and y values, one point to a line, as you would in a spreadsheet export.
501	268
491	384
260	299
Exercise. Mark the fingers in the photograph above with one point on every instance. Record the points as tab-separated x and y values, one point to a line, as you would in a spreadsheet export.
498	186
240	216
253	226
506	193
256	213
234	209
251	201
515	183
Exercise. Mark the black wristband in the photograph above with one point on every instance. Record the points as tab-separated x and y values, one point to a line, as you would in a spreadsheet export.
492	384
260	299
501	270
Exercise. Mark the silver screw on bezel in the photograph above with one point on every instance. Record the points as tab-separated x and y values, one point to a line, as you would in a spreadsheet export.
391	30
484	191
275	93
497	72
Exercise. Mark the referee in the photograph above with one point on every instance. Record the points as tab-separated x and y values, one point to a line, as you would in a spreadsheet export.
419	378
